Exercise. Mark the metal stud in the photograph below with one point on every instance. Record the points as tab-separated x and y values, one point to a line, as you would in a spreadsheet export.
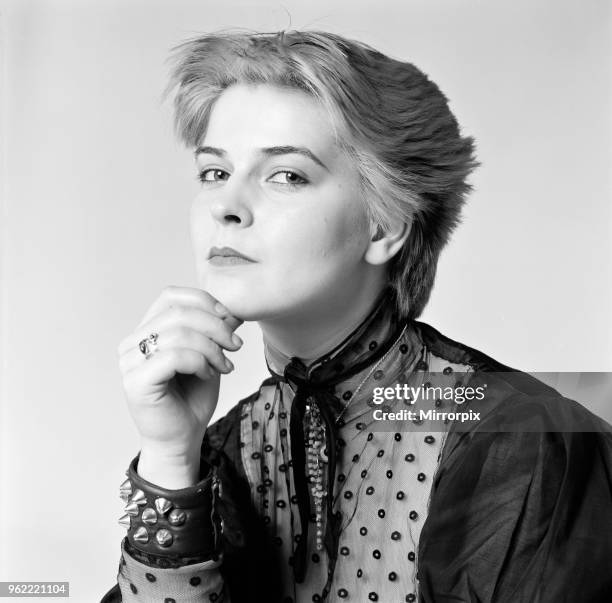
126	485
131	509
163	505
125	490
149	516
164	537
139	497
177	517
124	521
141	535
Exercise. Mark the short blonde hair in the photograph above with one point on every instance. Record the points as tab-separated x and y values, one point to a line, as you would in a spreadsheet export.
386	114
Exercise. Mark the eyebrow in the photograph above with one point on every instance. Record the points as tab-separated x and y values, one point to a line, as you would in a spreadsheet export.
269	152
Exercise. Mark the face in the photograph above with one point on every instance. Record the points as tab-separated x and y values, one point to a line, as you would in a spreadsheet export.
276	189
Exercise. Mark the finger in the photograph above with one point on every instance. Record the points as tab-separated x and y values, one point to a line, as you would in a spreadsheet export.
163	366
232	322
212	326
180	338
185	296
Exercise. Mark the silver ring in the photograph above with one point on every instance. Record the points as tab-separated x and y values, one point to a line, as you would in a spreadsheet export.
148	345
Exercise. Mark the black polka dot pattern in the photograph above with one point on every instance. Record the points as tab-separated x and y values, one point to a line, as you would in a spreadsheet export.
379	519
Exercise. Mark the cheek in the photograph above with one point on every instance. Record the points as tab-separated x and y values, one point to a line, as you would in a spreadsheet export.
323	236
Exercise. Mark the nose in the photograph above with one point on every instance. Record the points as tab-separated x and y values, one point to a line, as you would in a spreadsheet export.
231	205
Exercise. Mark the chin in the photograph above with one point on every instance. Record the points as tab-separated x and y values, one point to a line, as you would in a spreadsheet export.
256	299
243	301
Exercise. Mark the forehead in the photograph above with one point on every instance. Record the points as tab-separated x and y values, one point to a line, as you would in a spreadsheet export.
262	114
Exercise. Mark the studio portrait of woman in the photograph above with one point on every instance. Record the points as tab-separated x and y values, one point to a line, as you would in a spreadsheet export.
331	177
306	301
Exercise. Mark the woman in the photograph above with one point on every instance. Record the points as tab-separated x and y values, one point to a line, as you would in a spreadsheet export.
332	177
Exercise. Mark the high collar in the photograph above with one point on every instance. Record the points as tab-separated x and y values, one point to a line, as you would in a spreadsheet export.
364	342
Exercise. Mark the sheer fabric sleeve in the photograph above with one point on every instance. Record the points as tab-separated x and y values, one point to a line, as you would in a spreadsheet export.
523	516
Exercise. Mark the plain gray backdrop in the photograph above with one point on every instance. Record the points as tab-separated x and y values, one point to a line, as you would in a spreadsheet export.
95	200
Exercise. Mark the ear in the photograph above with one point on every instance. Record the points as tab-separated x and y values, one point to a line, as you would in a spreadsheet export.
385	244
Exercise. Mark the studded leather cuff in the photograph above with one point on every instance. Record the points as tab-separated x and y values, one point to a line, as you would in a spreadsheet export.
171	523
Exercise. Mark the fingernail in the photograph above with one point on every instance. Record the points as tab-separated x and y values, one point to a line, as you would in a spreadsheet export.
236	340
221	309
229	365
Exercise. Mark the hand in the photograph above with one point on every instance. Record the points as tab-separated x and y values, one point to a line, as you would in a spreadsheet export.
173	394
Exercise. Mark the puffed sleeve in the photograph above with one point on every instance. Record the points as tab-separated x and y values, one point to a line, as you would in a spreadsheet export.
522	512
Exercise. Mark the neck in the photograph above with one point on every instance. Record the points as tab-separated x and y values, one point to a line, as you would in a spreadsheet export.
309	335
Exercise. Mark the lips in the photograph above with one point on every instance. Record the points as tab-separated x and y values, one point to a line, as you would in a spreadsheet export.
227	252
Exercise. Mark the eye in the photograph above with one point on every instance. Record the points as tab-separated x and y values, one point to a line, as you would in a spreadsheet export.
212	175
288	178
